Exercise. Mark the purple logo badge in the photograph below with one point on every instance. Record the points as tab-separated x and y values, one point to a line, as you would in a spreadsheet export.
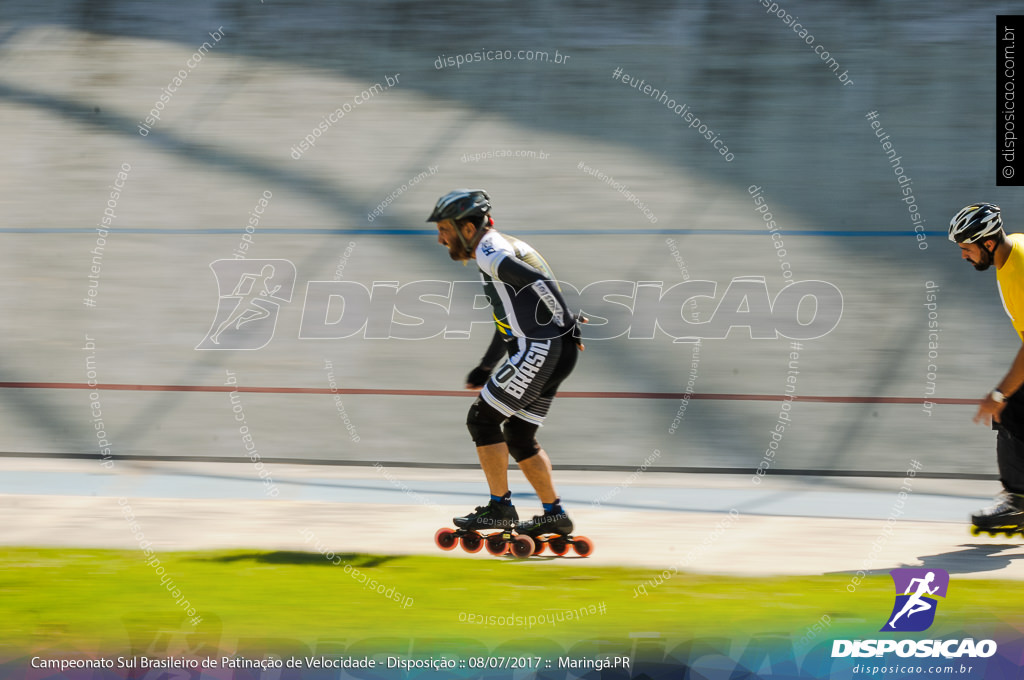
915	605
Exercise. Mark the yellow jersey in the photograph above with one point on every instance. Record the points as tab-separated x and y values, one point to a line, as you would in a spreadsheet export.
1010	278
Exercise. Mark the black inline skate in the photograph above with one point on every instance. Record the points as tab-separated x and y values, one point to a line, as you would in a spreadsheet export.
497	517
1006	517
553	528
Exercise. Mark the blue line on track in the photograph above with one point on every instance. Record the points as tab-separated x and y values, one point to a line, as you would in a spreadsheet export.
369	231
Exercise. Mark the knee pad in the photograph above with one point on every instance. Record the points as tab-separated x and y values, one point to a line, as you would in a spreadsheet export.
484	424
521	438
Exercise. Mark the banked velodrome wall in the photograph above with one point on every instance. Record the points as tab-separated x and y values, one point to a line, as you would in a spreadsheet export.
329	131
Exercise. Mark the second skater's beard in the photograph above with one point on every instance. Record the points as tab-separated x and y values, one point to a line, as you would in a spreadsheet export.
987	259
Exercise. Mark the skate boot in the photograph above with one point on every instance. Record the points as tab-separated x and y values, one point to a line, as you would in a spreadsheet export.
554	521
496	520
553	529
494	515
1006	516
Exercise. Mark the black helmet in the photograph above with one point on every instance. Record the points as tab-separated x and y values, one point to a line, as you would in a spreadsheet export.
975	222
461	204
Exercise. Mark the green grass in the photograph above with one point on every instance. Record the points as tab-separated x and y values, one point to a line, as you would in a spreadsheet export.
102	599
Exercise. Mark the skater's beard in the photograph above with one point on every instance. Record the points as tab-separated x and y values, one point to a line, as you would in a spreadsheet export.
458	252
987	258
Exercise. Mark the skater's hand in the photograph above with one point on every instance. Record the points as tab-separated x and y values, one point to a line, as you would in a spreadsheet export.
989	410
477	378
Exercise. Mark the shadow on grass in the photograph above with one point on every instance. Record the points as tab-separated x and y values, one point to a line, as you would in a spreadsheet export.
295	557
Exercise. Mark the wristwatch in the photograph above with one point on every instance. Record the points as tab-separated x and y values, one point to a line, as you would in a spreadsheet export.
997	396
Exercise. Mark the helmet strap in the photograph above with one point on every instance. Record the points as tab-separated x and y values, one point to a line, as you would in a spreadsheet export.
471	245
462	239
480	231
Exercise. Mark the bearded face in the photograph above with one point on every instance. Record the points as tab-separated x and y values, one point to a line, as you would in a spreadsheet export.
449	238
978	255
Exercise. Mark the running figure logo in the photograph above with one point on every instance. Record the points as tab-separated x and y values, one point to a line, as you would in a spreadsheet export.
251	294
914	611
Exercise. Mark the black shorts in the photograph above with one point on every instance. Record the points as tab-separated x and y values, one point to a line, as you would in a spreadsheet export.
525	385
1012	417
1010	444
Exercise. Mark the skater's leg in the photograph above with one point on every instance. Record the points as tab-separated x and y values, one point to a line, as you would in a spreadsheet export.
521	430
536	467
537	470
554	520
533	461
484	424
494	461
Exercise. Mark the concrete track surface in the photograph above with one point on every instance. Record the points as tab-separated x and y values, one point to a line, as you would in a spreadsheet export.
794	525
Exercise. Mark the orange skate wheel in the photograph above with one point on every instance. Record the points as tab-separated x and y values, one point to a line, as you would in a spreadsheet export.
522	546
559	545
582	546
445	539
472	542
496	545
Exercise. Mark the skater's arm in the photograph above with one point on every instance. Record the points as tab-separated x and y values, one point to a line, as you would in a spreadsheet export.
518	275
497	258
495	351
1014	379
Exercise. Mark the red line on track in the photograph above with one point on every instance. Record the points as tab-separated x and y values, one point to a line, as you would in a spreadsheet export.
467	393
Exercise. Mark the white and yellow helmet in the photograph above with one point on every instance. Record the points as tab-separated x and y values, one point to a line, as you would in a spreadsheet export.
975	222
